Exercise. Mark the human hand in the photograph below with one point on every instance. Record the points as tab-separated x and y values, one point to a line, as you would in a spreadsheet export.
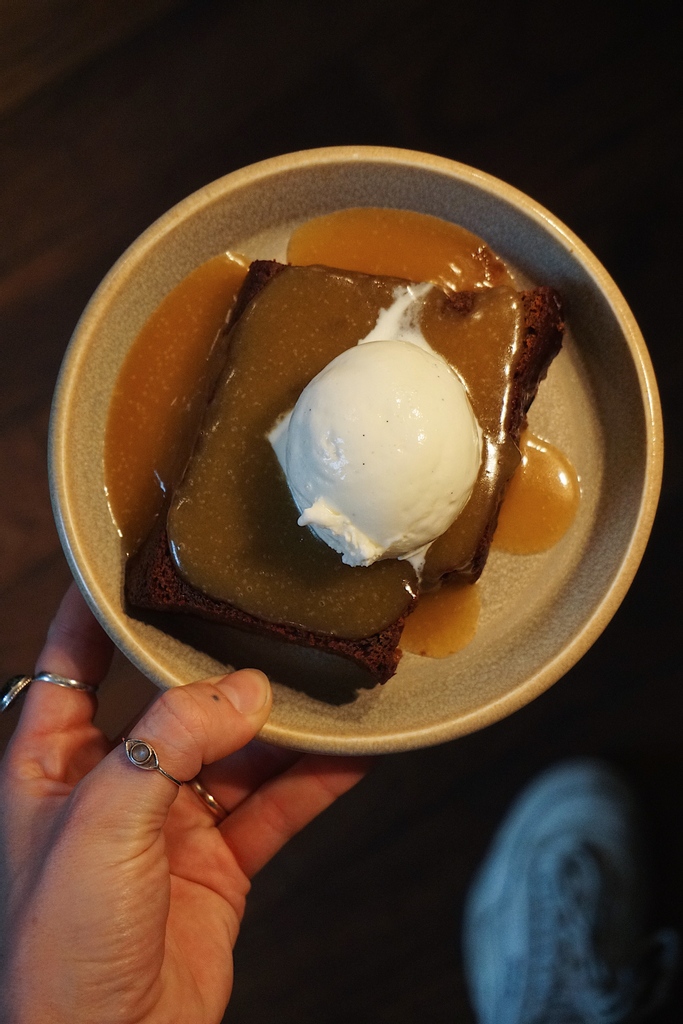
121	897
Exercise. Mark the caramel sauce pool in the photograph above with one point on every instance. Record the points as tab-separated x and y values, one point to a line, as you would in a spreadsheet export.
539	507
443	622
398	243
160	394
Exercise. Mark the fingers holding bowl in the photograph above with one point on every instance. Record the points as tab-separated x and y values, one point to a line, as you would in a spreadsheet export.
185	728
273	792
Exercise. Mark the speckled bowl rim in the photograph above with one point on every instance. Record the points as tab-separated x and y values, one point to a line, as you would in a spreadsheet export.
112	618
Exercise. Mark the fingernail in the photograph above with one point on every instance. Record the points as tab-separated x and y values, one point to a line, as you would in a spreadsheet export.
247	690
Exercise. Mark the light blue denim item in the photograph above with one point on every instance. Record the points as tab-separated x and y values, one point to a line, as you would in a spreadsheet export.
552	930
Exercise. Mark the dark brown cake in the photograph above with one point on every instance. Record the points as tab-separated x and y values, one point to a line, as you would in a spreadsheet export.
153	584
155	591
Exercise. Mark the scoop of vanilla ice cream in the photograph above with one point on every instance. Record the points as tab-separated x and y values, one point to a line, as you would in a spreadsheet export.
381	451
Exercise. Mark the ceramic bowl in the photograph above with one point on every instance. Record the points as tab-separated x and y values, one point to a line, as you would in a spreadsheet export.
599	404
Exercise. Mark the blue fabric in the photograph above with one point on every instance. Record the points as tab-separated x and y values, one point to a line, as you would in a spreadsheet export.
553	920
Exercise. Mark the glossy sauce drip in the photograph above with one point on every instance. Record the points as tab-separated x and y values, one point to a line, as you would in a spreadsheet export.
541	502
443	622
160	395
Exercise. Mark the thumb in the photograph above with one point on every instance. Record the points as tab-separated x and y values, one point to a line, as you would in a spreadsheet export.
187	727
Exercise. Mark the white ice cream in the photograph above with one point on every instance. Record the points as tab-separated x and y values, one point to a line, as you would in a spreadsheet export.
382	449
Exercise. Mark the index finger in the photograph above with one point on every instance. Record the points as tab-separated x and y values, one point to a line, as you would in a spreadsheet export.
55	737
76	645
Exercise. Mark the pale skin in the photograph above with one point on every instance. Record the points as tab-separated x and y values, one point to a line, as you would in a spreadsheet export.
120	897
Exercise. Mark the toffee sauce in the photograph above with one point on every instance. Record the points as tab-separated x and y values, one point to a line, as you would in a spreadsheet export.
541	502
444	621
161	393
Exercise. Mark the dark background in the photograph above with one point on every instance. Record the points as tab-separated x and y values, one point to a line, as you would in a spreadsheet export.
110	114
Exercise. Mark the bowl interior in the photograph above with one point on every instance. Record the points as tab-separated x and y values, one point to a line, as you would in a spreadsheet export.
599	404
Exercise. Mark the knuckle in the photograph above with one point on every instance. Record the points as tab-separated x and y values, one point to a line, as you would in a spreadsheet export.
180	718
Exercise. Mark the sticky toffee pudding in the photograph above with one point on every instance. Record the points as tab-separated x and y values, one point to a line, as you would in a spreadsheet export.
222	543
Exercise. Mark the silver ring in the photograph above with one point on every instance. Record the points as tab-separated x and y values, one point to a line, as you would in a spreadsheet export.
17	684
73	684
219	812
11	690
143	755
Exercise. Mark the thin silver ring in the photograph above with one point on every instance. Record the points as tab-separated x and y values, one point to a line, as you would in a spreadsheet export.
219	812
11	690
143	755
17	684
73	684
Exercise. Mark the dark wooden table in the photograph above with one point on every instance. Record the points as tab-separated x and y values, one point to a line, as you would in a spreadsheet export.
579	106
